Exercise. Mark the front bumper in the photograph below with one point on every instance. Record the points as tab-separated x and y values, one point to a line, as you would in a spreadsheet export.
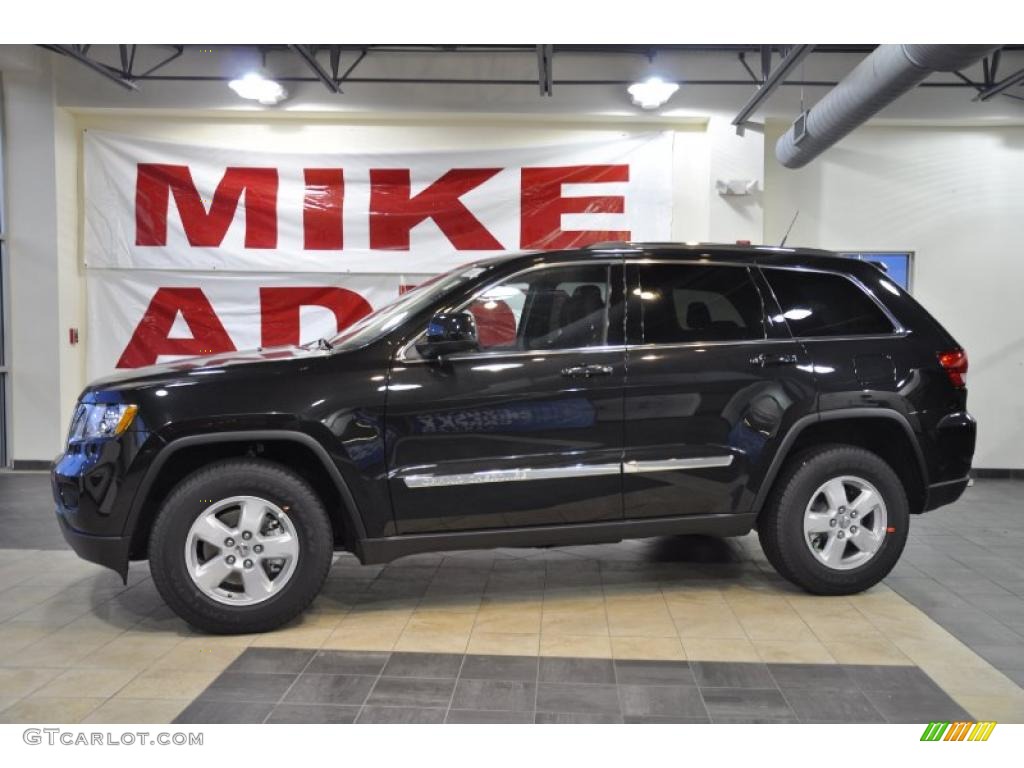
108	551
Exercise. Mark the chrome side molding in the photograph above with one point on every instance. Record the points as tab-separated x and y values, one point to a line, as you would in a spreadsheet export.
521	474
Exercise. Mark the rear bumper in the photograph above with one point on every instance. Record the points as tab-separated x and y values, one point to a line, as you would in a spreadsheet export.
941	494
108	551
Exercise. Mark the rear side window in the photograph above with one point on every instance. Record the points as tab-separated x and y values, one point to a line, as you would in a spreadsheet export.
823	304
683	303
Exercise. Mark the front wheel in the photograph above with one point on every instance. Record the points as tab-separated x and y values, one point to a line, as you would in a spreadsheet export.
837	520
241	546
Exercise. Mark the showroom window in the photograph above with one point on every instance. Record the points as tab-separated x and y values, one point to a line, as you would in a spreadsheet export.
553	308
825	304
686	303
898	265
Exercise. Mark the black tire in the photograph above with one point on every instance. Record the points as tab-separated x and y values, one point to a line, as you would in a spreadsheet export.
221	480
780	525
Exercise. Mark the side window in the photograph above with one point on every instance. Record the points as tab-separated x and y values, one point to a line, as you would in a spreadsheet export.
554	308
683	303
823	304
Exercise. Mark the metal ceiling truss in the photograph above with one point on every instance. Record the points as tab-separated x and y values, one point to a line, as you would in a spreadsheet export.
124	71
771	80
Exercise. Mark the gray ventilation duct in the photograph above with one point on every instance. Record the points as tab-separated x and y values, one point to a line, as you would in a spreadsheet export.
884	75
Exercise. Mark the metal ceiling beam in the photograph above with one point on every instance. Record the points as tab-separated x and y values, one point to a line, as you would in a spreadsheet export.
1002	85
101	69
775	78
322	75
545	73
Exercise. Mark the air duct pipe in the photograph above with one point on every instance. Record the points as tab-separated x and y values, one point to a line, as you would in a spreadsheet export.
884	75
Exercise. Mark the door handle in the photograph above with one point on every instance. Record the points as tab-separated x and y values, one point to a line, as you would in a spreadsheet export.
587	371
764	360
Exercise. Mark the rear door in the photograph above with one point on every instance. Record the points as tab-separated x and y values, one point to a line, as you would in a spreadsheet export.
708	387
526	431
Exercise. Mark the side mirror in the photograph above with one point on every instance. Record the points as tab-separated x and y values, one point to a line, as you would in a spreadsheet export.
447	333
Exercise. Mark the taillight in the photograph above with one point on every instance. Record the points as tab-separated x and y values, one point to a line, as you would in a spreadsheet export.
954	363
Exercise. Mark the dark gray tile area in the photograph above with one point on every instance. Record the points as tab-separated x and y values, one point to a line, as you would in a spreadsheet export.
962	566
352	686
27	519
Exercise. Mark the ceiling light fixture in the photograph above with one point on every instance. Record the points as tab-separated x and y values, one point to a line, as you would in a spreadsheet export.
652	92
256	87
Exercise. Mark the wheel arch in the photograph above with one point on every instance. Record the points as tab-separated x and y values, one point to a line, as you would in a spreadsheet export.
295	450
884	432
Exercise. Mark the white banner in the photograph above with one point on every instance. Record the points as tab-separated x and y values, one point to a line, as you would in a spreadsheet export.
191	248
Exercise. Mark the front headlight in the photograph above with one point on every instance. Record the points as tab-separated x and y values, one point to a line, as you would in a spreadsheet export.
96	420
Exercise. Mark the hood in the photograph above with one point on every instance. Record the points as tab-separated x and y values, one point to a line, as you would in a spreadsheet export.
196	367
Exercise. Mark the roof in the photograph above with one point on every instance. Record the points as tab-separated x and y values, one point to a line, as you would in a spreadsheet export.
733	249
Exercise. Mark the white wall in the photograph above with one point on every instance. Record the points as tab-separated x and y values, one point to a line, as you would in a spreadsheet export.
955	196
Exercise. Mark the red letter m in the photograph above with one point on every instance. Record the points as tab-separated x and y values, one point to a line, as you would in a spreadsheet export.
205	227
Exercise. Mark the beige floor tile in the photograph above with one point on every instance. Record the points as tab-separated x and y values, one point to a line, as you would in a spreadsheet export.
49	710
300	637
197	656
511	619
17	683
1001	709
14	637
156	711
86	684
658	648
719	649
878	652
707	619
576	645
358	638
590	620
168	684
504	644
130	652
770	619
46	653
797	652
852	626
441	621
431	641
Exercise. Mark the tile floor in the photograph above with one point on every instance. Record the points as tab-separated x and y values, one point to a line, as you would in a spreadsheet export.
77	645
302	686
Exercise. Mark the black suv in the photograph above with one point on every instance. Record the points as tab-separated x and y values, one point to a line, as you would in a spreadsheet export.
618	391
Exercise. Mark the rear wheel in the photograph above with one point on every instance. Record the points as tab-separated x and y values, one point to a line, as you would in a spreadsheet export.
243	545
836	521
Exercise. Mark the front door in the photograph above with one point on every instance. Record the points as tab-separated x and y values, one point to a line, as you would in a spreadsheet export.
527	430
706	389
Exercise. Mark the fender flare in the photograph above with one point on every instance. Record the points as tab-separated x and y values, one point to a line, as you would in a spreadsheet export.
350	510
840	413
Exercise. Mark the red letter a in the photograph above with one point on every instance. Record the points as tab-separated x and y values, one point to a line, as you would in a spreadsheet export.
152	335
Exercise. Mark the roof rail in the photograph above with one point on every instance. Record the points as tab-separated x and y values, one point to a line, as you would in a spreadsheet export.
610	244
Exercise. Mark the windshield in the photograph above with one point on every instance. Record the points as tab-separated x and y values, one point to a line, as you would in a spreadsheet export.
390	316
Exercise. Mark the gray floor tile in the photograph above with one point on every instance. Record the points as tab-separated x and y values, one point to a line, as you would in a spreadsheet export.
254	687
571	718
916	707
832	706
411	692
315	688
582	698
514	695
753	720
487	717
662	700
816	676
658	720
727	674
271	661
205	711
746	703
638	672
423	665
348	663
400	715
312	713
886	678
559	670
499	668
